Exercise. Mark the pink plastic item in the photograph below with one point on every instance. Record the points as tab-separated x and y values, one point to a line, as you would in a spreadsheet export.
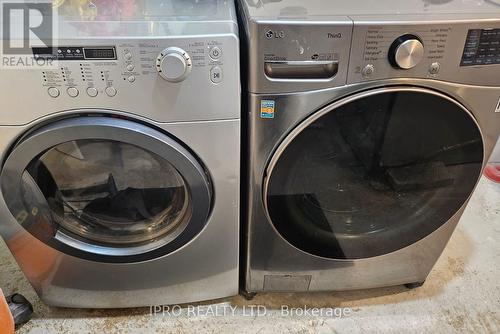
492	172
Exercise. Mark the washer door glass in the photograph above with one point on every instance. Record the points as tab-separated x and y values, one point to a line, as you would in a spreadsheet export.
106	189
373	173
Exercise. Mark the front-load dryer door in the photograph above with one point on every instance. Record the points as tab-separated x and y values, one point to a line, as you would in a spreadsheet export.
106	189
373	173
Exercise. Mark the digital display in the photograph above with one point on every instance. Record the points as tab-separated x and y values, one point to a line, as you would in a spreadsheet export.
99	53
482	47
76	53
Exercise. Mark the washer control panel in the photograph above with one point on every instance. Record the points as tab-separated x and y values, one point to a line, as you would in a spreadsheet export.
456	51
482	47
300	55
385	51
406	52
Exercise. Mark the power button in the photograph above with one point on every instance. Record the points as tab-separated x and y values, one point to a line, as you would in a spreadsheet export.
368	71
215	52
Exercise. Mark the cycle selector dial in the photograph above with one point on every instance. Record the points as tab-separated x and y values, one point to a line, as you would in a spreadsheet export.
406	52
173	64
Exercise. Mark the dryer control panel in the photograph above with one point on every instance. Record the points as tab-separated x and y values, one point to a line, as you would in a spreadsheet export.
105	69
163	79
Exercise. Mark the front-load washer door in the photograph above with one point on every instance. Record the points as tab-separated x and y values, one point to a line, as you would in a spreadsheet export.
106	189
373	173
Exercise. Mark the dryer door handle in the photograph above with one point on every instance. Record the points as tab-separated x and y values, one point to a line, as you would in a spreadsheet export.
301	70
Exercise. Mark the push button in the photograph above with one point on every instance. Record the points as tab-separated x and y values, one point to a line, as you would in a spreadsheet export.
53	92
92	91
368	71
130	67
215	52
110	91
131	78
72	91
216	74
434	68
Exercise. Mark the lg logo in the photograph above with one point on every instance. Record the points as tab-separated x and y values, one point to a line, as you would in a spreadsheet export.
275	34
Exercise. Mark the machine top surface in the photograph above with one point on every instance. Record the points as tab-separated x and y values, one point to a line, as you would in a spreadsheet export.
315	9
146	10
144	18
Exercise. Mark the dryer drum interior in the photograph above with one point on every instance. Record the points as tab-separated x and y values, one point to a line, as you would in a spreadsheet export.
373	174
101	187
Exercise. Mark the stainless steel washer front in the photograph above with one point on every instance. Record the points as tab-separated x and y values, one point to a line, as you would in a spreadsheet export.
369	124
373	173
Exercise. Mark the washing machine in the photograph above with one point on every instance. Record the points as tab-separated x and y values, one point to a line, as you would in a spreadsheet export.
120	156
369	123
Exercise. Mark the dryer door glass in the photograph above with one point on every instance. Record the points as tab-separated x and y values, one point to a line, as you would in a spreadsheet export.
106	189
108	192
374	173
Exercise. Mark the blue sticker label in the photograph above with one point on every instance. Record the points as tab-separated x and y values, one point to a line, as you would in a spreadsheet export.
267	108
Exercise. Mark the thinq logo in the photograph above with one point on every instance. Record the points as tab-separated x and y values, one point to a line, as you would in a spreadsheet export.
26	25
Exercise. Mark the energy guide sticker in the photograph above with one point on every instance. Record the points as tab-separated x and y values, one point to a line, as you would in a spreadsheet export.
267	108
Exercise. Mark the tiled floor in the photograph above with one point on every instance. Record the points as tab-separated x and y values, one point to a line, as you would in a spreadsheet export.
462	294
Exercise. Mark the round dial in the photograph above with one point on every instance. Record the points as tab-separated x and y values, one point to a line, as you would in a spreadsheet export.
406	52
173	64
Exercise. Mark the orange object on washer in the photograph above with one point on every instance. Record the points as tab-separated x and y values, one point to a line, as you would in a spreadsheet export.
492	172
6	320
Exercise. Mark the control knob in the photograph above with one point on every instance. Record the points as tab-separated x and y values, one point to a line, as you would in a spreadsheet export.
406	52
173	64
